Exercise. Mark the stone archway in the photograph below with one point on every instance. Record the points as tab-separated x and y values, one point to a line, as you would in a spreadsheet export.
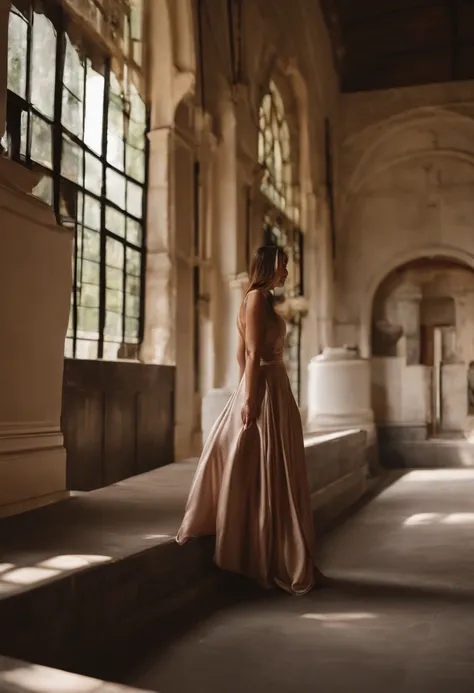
431	251
422	342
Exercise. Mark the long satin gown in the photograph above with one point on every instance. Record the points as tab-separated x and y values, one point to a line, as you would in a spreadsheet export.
251	488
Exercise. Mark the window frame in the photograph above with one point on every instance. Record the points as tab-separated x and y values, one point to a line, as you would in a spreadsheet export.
16	105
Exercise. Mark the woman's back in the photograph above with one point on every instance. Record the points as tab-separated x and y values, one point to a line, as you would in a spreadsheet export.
273	329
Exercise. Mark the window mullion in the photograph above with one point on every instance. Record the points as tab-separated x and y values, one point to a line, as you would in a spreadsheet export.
103	245
29	44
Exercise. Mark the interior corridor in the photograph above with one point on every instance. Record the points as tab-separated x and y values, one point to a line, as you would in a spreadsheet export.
398	618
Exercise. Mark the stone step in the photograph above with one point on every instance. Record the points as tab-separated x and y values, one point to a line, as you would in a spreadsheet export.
80	578
428	454
17	676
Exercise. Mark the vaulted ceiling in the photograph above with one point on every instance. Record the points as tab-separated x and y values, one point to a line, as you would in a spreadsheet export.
380	44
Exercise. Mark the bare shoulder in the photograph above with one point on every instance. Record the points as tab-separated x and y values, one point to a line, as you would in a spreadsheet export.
256	303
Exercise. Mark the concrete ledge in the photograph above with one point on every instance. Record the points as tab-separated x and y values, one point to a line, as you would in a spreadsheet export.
428	454
337	473
78	577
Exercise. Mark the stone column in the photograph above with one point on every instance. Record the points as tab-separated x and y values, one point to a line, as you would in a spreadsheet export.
159	345
326	270
339	395
311	264
35	292
206	151
227	291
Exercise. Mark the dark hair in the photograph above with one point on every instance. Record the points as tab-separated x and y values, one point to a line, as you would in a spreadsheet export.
266	259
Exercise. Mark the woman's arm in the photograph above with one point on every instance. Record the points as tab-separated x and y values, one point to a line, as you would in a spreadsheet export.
241	356
254	339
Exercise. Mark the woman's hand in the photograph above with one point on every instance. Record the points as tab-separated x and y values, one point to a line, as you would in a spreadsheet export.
249	414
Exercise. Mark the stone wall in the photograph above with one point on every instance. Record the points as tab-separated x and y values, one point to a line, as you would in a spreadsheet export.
407	191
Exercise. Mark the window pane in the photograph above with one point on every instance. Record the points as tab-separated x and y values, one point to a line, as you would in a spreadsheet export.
115	151
93	173
115	254
41	142
134	231
114	278
133	286
4	143
43	63
44	190
111	350
90	274
72	113
132	326
87	320
136	134
115	186
89	295
115	221
115	125
73	90
24	133
91	212
73	77
70	327
134	262
137	123
135	163
113	326
114	301
89	244
134	199
94	112
71	160
17	53
86	349
136	16
69	348
132	305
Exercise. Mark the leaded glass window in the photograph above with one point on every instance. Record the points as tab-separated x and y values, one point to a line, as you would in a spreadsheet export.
75	115
280	225
274	154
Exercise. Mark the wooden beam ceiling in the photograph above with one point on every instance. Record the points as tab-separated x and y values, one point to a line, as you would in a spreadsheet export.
379	44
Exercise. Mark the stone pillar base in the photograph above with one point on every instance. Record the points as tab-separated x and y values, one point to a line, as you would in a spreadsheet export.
32	468
35	294
212	405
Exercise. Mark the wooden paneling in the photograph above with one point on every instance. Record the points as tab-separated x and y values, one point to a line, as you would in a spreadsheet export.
117	419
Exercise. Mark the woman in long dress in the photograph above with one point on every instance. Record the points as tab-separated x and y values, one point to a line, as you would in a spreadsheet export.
251	488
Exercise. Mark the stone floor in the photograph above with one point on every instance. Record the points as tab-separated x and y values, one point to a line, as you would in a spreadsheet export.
400	617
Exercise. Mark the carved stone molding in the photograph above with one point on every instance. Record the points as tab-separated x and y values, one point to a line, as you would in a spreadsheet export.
183	85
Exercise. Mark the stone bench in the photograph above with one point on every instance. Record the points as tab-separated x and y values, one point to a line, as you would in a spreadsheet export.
79	577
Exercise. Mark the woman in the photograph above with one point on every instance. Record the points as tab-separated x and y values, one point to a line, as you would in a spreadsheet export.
250	487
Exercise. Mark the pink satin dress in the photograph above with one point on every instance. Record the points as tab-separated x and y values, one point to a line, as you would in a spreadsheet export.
251	487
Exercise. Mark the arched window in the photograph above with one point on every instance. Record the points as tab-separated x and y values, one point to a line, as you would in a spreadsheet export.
274	154
279	187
